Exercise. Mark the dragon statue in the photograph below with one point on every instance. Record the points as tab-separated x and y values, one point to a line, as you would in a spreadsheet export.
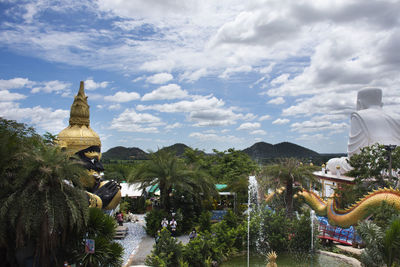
351	215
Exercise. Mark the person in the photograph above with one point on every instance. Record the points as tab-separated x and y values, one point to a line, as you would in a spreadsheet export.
370	124
120	219
158	235
192	234
173	225
164	223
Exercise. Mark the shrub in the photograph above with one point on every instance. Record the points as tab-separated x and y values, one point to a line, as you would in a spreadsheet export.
166	251
153	221
231	219
205	221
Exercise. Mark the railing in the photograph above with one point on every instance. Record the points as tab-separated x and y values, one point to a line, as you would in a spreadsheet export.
344	236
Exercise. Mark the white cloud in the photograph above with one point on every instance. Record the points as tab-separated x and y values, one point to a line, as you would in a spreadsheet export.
170	91
114	107
192	76
138	79
15	83
210	137
45	119
173	126
122	97
160	78
92	85
258	132
265	117
277	101
229	71
5	96
311	138
317	126
51	86
249	126
280	121
131	121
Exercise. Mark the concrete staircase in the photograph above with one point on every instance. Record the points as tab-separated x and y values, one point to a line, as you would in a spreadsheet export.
121	232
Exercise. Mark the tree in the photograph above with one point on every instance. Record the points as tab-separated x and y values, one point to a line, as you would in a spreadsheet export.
170	173
373	162
42	205
289	172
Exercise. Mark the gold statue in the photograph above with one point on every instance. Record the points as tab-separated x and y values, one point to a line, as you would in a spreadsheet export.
272	259
80	140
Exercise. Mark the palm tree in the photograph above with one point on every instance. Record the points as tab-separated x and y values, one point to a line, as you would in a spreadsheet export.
288	172
170	173
41	205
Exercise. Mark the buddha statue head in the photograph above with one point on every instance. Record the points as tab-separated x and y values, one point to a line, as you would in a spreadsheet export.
369	97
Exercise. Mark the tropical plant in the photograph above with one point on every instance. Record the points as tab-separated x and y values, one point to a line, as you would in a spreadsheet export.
166	252
205	221
101	228
373	162
289	172
170	173
153	221
42	207
382	245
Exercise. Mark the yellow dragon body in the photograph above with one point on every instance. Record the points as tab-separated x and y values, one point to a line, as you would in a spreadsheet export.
356	212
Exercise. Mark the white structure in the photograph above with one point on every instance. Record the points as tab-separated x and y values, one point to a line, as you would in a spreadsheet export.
370	124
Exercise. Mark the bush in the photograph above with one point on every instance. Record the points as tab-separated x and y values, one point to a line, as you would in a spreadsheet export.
153	221
205	221
231	219
198	250
166	252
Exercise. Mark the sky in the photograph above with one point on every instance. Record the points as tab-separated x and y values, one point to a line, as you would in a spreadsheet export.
209	74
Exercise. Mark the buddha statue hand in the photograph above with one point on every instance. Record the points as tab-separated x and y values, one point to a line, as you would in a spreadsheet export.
109	193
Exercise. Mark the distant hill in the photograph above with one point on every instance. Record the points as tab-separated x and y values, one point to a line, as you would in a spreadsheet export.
261	152
178	148
123	153
264	152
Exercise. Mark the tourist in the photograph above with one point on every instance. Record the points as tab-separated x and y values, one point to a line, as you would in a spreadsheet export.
173	225
164	223
158	235
120	219
192	234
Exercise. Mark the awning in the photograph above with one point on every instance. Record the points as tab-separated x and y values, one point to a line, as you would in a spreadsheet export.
131	190
220	186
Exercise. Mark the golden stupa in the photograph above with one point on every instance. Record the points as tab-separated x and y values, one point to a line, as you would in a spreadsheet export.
78	135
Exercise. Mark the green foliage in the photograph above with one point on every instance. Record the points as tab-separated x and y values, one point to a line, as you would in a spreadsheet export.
383	214
171	173
382	244
124	206
101	227
372	162
198	250
205	221
231	219
273	230
118	171
288	172
40	197
153	221
229	165
166	252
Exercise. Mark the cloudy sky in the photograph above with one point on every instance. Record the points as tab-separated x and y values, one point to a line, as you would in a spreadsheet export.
210	74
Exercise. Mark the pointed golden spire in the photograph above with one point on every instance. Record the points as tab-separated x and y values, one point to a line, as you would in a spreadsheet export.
78	135
80	109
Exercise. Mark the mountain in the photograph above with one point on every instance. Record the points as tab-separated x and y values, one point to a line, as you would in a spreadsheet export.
265	152
178	148
123	153
260	152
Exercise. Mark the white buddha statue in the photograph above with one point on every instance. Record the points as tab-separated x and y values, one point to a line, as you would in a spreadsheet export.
370	124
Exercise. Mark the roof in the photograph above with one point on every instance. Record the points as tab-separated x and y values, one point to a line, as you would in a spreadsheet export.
131	190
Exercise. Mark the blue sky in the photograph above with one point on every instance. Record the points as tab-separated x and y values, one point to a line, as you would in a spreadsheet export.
210	74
